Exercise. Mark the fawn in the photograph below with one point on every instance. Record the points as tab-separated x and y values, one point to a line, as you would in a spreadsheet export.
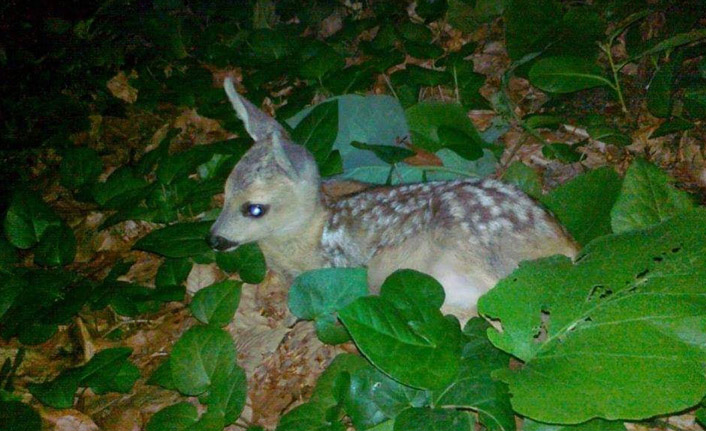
468	234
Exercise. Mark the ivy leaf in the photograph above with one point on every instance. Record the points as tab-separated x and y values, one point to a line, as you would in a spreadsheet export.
566	74
27	218
177	241
247	260
643	286
216	304
583	204
647	198
198	355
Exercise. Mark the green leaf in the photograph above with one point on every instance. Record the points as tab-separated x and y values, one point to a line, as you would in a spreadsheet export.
321	292
308	417
198	355
162	376
8	256
592	425
562	152
543	121
670	43
80	167
57	247
177	417
415	32
325	393
247	260
216	304
674	125
410	289
27	218
322	60
524	177
659	92
330	331
695	100
386	153
647	198
583	204
317	131
529	25
608	135
428	419
177	241
469	84
173	272
228	393
110	371
431	10
566	74
120	189
474	387
405	337
431	122
17	416
59	392
373	398
618	335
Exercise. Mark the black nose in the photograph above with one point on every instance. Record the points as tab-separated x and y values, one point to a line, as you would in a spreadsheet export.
219	243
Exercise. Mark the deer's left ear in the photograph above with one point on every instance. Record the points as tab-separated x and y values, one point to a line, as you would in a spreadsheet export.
258	124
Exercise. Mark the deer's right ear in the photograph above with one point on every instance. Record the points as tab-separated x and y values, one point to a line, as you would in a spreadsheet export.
258	124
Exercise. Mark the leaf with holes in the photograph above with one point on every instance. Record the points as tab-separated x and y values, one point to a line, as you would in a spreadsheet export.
619	334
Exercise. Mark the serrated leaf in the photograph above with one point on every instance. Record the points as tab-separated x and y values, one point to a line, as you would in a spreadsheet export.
642	286
27	218
57	247
198	355
177	417
177	241
566	74
647	198
583	204
247	260
216	304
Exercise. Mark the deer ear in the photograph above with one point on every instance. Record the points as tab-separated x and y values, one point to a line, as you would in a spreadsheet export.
282	159
258	124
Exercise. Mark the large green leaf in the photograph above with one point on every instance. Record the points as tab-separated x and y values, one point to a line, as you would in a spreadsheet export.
177	417
228	393
593	425
57	247
566	74
178	240
404	335
474	387
431	122
429	419
247	260
618	335
216	304
317	131
27	219
324	291
647	198
583	204
201	353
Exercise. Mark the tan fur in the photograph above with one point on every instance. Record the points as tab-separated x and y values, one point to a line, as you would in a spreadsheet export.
467	234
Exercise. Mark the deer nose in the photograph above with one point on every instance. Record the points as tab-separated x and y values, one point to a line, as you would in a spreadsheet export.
219	243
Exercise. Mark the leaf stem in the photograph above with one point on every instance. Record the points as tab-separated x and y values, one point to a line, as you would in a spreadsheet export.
616	80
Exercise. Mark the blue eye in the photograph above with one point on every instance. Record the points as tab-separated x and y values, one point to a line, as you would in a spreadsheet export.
254	210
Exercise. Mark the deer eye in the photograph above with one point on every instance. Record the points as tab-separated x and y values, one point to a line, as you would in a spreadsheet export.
254	210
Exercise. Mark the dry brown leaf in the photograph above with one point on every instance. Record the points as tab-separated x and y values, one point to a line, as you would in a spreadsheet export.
121	88
202	275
